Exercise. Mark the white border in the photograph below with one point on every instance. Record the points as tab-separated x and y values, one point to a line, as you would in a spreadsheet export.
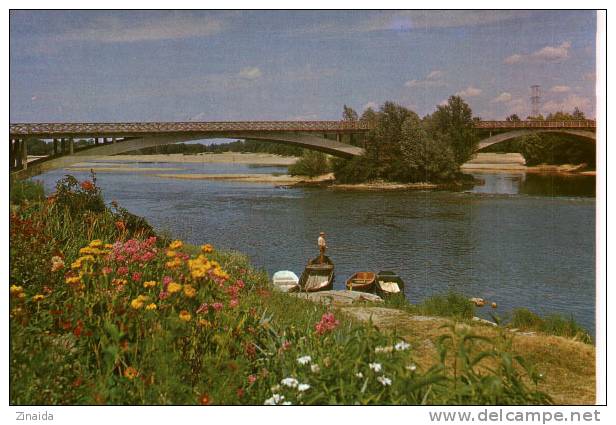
312	415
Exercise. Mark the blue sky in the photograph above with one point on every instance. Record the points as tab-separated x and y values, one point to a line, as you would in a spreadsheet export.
285	65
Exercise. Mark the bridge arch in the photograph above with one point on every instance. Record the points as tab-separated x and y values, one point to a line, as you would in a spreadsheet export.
503	137
305	140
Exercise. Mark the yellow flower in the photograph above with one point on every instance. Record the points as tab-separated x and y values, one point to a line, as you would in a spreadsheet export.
73	280
85	258
185	316
96	243
207	248
38	297
176	245
151	307
189	291
176	262
56	263
171	253
150	284
76	264
174	287
118	282
204	323
16	289
130	373
136	303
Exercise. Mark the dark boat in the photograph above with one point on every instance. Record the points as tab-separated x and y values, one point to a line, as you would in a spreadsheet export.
361	281
317	276
388	283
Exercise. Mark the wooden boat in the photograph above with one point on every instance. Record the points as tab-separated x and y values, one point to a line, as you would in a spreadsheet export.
317	276
285	281
361	281
388	283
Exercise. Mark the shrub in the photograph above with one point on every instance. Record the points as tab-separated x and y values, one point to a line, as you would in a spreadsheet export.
356	170
311	164
450	305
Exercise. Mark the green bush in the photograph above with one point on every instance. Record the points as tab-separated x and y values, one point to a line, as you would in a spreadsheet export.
450	305
356	170
311	164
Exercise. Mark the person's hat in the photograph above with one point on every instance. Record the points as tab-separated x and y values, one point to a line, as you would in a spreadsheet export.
322	233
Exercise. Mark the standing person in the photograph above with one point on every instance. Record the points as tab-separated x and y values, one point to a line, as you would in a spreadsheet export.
322	247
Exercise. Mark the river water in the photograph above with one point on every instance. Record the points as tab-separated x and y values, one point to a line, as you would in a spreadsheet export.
519	240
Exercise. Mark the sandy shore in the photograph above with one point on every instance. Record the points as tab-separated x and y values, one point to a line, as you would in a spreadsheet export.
227	157
248	178
515	163
115	169
385	186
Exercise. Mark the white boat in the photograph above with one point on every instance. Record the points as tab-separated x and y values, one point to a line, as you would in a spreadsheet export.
286	281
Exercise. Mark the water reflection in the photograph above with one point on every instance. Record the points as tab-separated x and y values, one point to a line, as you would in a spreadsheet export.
535	184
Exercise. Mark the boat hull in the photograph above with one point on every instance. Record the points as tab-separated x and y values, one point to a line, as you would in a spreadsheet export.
388	284
361	281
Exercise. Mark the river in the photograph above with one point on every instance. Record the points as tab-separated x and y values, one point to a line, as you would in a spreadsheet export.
518	240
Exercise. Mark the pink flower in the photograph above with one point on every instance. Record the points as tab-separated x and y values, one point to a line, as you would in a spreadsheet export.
122	270
239	283
136	277
217	306
234	303
203	308
163	295
252	379
106	270
328	323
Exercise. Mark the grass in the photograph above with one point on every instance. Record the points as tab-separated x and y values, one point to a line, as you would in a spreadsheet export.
552	324
122	316
452	305
25	190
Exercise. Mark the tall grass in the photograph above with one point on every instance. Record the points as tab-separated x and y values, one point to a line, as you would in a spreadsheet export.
25	190
453	305
552	324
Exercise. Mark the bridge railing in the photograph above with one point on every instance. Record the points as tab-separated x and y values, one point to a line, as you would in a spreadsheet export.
535	124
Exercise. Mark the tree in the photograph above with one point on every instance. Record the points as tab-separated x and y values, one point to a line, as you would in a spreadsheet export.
578	115
349	114
425	158
452	124
311	164
513	118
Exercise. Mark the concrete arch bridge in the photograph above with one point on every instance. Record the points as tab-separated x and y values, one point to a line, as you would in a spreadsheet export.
332	137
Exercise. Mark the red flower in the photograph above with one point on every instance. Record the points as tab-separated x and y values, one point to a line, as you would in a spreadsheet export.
87	185
78	329
240	392
328	323
120	225
136	277
205	399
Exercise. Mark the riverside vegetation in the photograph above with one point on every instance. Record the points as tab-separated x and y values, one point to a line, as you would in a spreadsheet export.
105	311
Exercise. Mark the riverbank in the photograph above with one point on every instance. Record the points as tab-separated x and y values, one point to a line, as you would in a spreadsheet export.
515	163
225	157
210	326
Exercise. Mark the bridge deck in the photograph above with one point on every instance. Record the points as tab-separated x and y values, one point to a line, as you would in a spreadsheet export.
57	130
506	125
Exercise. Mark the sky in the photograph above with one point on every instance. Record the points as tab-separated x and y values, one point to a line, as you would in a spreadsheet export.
119	66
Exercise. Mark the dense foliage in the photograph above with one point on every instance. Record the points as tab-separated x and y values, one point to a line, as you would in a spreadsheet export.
310	164
101	313
402	147
253	146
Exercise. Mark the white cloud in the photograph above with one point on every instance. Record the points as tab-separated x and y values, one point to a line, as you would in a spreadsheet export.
545	54
372	105
569	104
504	97
470	91
250	73
158	27
433	79
560	89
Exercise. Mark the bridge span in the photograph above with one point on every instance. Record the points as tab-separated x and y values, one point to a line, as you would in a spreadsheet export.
331	137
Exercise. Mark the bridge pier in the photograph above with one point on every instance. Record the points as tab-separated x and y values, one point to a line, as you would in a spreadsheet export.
24	154
11	154
71	146
55	147
62	146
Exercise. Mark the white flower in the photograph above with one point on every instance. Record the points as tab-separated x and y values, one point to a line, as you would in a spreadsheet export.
303	387
359	375
412	367
375	367
290	382
384	380
304	360
315	368
388	349
274	400
402	345
286	403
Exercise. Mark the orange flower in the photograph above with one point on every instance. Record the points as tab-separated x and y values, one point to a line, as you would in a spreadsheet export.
120	225
205	399
87	185
207	248
130	373
185	316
